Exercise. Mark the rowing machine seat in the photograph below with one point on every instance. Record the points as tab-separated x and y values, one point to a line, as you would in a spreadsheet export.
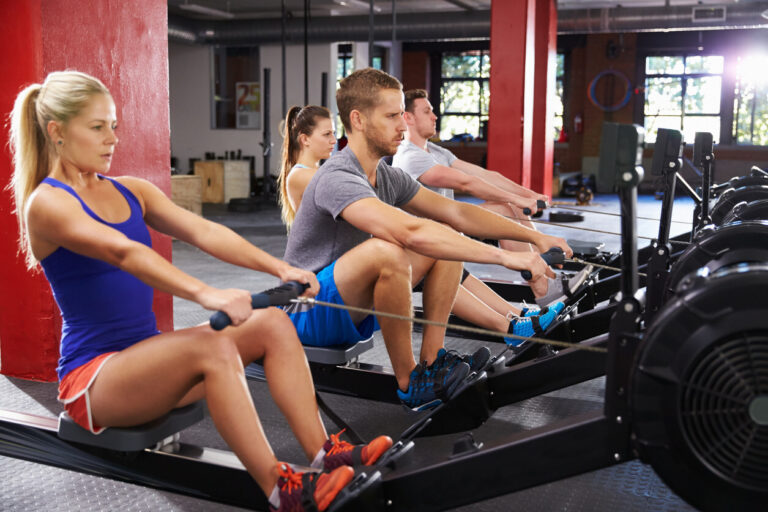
337	354
133	439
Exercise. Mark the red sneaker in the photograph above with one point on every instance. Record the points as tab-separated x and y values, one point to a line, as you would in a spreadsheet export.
304	491
341	453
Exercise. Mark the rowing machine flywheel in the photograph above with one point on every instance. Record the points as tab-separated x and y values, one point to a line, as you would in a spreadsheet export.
699	390
753	210
717	246
732	197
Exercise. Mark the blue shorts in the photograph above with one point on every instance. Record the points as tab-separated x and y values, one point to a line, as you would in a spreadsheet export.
322	326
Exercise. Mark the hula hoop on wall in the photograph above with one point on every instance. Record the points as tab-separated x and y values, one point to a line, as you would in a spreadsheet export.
617	106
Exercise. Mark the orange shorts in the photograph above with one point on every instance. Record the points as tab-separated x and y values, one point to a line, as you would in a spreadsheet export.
73	392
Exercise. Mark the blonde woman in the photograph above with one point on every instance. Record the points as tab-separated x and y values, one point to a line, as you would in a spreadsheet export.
89	234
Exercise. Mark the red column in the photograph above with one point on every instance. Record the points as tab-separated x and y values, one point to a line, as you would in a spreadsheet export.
509	22
523	41
125	44
545	57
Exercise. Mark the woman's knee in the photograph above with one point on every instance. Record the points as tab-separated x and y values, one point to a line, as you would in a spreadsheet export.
269	329
219	352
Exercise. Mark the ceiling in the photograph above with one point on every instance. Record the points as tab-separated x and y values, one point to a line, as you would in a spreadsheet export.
257	9
254	9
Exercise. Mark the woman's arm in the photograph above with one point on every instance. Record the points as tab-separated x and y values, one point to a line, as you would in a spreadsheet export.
56	219
217	240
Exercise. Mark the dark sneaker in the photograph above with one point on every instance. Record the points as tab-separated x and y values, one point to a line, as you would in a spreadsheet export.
476	361
341	453
428	388
310	491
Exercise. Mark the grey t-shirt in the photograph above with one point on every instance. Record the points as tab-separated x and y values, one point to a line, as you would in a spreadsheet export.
415	161
319	235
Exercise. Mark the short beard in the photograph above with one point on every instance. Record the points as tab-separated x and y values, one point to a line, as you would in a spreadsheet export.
377	148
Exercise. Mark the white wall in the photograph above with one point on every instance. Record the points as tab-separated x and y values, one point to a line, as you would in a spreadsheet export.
190	101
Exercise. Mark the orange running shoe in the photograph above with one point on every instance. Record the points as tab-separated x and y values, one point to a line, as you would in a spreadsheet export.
300	492
341	453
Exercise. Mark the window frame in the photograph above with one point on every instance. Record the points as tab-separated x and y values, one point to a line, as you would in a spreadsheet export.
724	115
484	54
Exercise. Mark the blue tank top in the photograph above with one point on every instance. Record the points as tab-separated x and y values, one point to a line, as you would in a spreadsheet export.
103	308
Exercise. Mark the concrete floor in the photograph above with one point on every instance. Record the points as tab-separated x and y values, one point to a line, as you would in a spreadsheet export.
630	486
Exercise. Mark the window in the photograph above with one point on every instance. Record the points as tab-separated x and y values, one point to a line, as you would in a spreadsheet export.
464	93
559	101
683	93
236	87
750	110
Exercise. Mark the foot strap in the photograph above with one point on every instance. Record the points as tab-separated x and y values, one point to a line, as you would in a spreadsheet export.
537	330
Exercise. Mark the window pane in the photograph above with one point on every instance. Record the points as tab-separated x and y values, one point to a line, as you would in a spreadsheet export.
693	124
558	126
663	96
653	123
485	99
455	125
751	94
558	101
669	65
463	96
560	65
702	95
485	68
461	66
742	113
705	64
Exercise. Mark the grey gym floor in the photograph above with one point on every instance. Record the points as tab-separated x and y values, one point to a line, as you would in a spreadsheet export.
631	486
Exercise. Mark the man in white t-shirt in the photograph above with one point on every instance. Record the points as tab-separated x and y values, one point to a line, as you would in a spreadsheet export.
441	171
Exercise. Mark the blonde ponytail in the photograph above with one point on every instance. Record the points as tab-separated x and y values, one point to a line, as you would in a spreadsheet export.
60	97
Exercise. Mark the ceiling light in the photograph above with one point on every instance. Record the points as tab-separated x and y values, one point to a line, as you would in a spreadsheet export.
210	11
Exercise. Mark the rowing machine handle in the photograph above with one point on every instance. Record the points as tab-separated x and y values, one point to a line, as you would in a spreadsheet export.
540	205
279	296
554	256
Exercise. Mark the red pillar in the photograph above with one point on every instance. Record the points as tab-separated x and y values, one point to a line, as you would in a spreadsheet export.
125	44
523	35
509	22
545	57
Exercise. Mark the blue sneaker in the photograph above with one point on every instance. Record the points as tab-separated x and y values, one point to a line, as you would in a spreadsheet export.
428	388
530	326
448	358
557	307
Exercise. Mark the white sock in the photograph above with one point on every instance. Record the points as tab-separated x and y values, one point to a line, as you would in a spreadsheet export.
274	498
317	463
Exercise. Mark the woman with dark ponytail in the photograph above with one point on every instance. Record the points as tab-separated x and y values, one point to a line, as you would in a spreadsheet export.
89	234
308	137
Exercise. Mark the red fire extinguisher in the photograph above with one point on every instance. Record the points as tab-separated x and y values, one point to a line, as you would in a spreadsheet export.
578	125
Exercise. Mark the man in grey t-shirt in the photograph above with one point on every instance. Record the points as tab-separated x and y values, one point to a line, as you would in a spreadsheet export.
364	227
